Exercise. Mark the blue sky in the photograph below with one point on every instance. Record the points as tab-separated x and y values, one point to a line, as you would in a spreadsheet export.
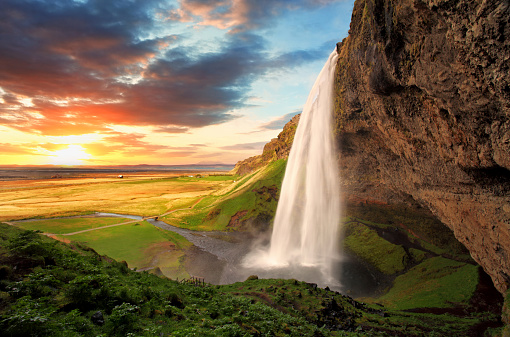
156	82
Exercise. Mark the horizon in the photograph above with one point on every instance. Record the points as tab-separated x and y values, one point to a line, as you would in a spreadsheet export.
86	82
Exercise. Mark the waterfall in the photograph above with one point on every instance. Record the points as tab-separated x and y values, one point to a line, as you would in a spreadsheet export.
305	230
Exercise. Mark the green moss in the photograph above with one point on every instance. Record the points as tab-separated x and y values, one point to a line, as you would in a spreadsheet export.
368	245
417	255
436	283
420	226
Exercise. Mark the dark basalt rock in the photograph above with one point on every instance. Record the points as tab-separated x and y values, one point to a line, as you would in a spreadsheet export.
423	112
97	318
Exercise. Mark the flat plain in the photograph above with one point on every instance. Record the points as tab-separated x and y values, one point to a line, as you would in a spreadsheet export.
144	194
66	209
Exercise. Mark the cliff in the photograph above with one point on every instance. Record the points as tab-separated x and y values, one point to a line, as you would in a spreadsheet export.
423	112
422	117
277	148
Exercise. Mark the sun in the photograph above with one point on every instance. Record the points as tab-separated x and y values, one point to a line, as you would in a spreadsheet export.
72	155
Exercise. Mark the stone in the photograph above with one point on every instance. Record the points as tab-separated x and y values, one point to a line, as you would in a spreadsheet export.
97	318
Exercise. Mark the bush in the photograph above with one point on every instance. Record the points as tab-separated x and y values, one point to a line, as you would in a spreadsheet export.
5	272
28	244
28	317
123	320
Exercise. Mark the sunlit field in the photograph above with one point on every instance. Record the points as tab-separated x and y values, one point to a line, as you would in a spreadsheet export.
65	209
141	194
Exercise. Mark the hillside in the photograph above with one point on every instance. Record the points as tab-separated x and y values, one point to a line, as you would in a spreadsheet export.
422	118
48	288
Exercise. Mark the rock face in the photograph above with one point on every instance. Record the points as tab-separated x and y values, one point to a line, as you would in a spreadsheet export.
422	117
422	114
277	148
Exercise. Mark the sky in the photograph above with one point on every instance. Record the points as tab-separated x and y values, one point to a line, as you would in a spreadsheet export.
159	82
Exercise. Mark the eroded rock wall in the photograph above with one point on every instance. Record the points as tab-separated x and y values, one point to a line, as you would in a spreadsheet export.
277	148
423	112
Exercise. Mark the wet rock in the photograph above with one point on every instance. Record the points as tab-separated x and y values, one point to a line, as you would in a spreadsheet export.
97	318
423	116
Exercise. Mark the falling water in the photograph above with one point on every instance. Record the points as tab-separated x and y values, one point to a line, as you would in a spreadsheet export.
308	214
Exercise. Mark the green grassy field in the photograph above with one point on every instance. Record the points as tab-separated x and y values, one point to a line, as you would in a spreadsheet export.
435	283
70	225
140	244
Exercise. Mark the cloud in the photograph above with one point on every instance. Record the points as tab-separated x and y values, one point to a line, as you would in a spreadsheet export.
278	123
69	67
172	129
238	15
6	148
245	146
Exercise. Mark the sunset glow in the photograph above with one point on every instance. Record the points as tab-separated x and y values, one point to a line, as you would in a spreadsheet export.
156	82
72	155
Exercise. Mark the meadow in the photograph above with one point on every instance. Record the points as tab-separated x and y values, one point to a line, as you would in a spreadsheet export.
65	209
143	194
420	264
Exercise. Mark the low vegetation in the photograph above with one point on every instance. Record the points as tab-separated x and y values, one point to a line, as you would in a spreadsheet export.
247	202
48	288
368	245
70	225
145	196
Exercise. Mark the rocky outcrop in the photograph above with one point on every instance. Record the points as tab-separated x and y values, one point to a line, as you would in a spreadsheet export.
422	113
277	148
422	117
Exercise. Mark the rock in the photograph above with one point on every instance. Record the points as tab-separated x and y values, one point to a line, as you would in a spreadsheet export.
97	318
277	148
423	116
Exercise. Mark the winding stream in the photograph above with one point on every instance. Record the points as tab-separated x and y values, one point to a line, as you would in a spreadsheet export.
217	256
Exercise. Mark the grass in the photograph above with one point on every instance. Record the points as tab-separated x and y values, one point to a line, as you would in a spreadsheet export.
140	244
423	228
368	245
430	274
70	225
430	283
244	194
140	196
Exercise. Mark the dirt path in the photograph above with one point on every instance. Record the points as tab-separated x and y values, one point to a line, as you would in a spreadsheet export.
93	229
118	224
182	209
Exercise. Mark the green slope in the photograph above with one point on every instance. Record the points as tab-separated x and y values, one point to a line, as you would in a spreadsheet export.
48	288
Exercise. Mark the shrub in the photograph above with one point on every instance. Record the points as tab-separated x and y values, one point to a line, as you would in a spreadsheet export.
28	317
123	320
29	244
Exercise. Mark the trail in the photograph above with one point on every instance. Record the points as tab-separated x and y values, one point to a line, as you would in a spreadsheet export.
13	223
